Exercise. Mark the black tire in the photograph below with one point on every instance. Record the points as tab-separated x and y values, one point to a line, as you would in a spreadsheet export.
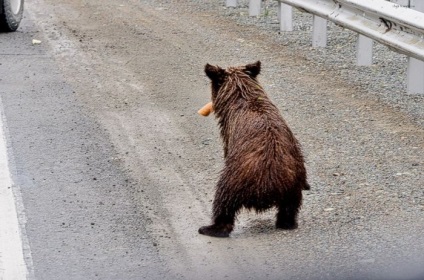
11	12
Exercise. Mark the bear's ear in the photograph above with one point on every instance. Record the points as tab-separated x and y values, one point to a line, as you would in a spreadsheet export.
253	69
214	73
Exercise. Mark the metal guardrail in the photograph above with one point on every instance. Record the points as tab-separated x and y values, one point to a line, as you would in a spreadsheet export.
400	28
390	22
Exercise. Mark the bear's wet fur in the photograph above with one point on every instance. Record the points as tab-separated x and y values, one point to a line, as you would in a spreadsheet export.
264	165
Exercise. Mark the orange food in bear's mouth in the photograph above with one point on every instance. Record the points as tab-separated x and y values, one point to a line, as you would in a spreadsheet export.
206	110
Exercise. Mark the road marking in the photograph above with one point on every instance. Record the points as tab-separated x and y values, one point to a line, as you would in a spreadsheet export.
12	264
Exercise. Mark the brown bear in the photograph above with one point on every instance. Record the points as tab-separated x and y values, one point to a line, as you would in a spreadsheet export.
264	165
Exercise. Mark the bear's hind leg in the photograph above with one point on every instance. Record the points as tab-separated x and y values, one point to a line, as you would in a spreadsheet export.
217	230
223	220
288	209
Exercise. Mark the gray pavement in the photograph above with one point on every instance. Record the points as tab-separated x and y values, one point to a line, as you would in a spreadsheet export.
80	222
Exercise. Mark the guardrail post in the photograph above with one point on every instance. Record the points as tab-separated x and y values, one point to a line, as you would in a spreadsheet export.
254	7
319	35
285	15
364	51
415	75
231	3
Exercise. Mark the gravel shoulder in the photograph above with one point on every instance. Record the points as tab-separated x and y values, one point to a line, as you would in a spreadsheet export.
138	67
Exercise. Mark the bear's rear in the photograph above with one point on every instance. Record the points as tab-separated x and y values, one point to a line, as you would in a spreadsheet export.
264	166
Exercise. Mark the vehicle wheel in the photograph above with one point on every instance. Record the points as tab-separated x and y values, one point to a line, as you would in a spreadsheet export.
10	14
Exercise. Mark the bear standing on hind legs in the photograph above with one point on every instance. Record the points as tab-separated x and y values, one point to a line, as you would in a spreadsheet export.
264	165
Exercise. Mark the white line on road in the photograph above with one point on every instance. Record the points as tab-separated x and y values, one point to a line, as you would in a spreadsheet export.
12	264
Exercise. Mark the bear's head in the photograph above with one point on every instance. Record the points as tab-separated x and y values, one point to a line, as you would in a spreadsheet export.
220	76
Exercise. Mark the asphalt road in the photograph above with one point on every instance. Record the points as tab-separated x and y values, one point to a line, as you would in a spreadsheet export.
78	202
113	172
